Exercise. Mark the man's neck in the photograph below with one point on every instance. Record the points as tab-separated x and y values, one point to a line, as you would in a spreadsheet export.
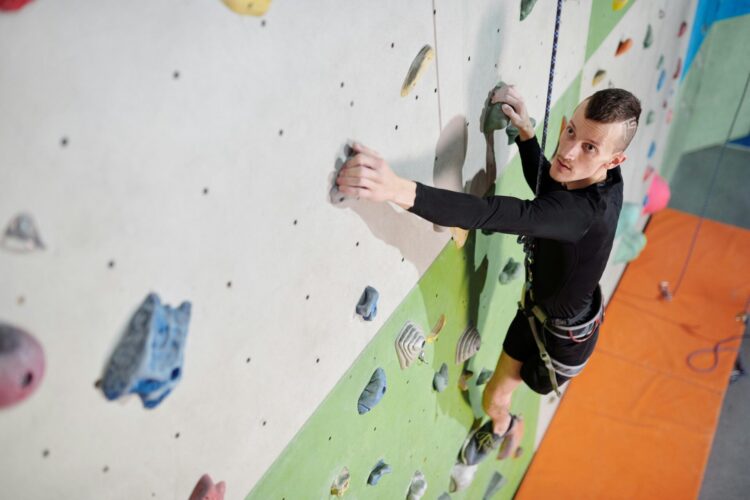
584	183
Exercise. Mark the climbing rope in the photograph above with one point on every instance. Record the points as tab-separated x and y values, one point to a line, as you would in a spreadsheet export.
711	188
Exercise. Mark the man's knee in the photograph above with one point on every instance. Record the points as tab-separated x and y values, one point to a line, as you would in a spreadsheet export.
536	376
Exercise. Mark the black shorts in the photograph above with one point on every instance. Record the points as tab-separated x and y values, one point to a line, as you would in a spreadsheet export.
519	344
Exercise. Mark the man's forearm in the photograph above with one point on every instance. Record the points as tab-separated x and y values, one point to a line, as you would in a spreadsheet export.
526	133
406	193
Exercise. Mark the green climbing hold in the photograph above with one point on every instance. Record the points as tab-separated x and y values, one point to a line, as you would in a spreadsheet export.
631	245
484	376
526	6
629	215
649	39
494	118
661	61
511	271
650	117
513	132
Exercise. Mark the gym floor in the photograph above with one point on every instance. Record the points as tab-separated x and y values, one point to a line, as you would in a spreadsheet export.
728	202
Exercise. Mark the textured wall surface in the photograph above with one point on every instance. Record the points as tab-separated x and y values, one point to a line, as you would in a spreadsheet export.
179	148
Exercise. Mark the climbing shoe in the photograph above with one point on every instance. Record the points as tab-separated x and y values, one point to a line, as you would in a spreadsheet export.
482	441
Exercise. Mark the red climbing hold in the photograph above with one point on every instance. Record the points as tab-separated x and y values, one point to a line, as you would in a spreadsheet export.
21	365
623	46
9	5
683	28
207	490
677	70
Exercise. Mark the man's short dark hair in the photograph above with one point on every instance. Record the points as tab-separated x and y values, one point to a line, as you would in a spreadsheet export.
614	106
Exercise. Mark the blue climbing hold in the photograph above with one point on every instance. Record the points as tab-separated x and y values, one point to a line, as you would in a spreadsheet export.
380	469
148	359
373	392
367	307
651	149
662	77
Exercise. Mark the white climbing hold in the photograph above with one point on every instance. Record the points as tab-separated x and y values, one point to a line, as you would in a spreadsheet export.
409	344
418	486
21	234
468	344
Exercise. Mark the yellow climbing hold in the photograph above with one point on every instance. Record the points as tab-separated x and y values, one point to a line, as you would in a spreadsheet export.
248	7
598	77
432	337
459	236
619	4
418	65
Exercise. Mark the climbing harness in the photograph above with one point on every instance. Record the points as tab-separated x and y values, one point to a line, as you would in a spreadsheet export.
562	328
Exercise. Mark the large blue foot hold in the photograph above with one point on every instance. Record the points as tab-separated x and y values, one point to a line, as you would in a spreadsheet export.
373	392
380	469
148	359
367	307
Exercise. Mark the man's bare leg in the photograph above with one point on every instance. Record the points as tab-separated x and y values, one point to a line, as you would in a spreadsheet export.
498	392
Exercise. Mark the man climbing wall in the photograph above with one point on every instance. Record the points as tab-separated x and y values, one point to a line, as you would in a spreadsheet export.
571	223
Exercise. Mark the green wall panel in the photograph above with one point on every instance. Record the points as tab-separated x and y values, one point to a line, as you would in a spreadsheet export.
603	20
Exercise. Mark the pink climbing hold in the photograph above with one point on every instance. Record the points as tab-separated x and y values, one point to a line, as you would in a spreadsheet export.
658	195
648	173
207	490
21	365
9	5
677	70
683	28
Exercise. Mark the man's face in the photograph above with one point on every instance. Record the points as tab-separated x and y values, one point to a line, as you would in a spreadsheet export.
586	150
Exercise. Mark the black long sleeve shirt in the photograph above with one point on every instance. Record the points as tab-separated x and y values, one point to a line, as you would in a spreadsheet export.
573	230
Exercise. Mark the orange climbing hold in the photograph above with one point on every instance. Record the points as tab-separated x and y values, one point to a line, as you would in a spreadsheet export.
618	4
623	46
248	7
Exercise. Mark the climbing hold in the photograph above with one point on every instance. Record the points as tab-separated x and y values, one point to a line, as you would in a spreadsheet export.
662	14
647	173
435	333
463	380
649	39
440	380
619	4
21	234
660	83
631	245
668	117
629	215
341	483
418	486
21	364
598	77
11	5
494	118
373	392
526	6
683	28
623	46
651	149
497	481
409	344
248	8
518	453
462	476
444	496
148	359
677	70
660	61
459	236
468	344
417	68
367	307
380	469
658	195
484	376
207	490
650	117
511	270
512	131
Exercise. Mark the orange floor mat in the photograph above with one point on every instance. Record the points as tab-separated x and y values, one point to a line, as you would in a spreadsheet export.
638	422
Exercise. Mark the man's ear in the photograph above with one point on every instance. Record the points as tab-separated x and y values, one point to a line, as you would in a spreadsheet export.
616	160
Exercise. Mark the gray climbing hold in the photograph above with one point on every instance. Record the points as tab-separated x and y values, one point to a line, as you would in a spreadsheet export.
380	469
462	476
484	376
148	359
511	270
418	486
512	131
341	483
367	307
409	344
373	392
649	39
497	481
468	344
21	234
526	6
494	118
444	496
440	380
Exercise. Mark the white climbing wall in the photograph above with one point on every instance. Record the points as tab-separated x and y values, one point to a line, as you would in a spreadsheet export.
176	147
